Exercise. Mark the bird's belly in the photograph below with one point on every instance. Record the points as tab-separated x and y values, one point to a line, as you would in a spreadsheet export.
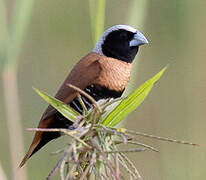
100	94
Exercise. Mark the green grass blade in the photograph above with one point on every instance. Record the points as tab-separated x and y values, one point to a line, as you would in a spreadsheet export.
63	108
132	102
3	32
92	7
20	18
100	15
97	15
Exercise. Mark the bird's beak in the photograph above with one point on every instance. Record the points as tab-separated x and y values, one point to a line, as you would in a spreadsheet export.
138	40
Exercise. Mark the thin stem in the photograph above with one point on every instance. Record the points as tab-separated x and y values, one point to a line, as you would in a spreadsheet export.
126	151
13	122
137	174
86	95
53	172
20	20
2	174
62	169
92	161
82	104
97	15
124	164
99	21
108	103
138	143
65	131
160	138
116	159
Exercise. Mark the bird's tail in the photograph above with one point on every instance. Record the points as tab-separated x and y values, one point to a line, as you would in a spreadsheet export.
40	139
32	148
29	153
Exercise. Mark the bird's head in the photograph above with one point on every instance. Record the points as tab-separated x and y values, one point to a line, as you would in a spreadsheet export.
121	42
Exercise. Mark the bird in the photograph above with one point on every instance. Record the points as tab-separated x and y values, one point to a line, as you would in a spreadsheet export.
103	73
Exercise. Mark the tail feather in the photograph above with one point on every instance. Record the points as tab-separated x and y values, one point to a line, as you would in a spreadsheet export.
38	143
29	153
42	138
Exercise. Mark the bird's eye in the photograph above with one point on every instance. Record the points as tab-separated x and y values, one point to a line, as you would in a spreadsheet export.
123	35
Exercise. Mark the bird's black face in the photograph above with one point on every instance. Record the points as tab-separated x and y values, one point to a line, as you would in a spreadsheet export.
117	45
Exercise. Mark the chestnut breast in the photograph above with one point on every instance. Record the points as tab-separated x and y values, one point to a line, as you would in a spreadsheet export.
115	74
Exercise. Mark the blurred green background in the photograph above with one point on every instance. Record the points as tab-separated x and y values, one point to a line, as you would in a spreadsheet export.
59	33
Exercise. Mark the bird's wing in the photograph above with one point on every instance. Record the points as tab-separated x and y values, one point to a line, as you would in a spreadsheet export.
85	72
